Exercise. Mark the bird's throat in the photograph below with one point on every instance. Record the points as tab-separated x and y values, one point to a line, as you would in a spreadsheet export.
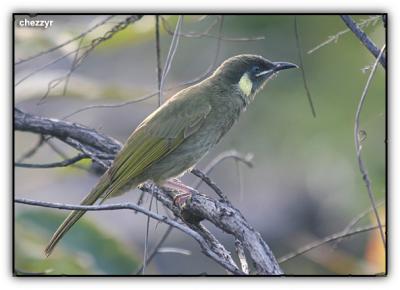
246	90
245	85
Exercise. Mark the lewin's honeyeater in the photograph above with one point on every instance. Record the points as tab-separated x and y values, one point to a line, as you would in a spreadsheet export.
178	134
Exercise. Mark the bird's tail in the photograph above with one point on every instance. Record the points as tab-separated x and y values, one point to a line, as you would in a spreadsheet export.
100	189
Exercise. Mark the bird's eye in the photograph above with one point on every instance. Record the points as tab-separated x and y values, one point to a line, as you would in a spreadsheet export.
256	69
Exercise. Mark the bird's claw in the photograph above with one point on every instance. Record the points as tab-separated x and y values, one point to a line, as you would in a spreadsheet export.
181	199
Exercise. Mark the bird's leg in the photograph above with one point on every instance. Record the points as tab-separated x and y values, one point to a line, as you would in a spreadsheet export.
181	193
184	191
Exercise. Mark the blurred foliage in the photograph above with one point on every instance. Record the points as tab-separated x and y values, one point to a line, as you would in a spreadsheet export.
85	250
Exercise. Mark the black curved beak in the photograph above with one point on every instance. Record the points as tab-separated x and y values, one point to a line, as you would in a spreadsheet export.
281	65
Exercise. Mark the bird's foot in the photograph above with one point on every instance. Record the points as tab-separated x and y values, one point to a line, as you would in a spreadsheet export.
181	199
182	192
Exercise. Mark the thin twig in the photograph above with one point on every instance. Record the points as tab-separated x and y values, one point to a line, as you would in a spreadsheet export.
324	241
62	154
355	221
78	60
43	67
206	33
335	38
159	72
64	43
88	152
110	106
169	229
222	215
158	58
358	145
174	250
146	237
363	37
63	163
210	183
51	85
156	93
33	150
88	48
161	77
303	73
170	56
246	159
205	245
155	250
73	65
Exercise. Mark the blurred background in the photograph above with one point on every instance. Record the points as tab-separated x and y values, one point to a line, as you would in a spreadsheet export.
304	185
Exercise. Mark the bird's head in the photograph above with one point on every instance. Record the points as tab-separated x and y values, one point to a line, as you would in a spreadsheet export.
249	72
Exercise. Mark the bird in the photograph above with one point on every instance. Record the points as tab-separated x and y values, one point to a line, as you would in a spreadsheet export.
172	139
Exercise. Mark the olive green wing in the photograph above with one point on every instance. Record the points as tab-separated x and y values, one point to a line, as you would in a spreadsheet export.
155	138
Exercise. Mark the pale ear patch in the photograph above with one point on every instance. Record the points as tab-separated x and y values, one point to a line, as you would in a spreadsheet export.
245	84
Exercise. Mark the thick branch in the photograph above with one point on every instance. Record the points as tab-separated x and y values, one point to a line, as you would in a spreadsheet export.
221	214
63	130
231	221
224	216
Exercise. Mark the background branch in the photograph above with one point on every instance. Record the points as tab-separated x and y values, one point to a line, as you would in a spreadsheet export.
210	247
363	37
207	33
230	154
63	163
328	239
54	48
357	142
334	38
303	73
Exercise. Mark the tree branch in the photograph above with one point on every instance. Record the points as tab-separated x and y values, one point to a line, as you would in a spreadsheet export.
158	57
221	214
363	37
63	130
66	42
303	73
246	159
230	220
215	251
357	143
63	163
328	239
207	33
334	38
210	183
86	49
